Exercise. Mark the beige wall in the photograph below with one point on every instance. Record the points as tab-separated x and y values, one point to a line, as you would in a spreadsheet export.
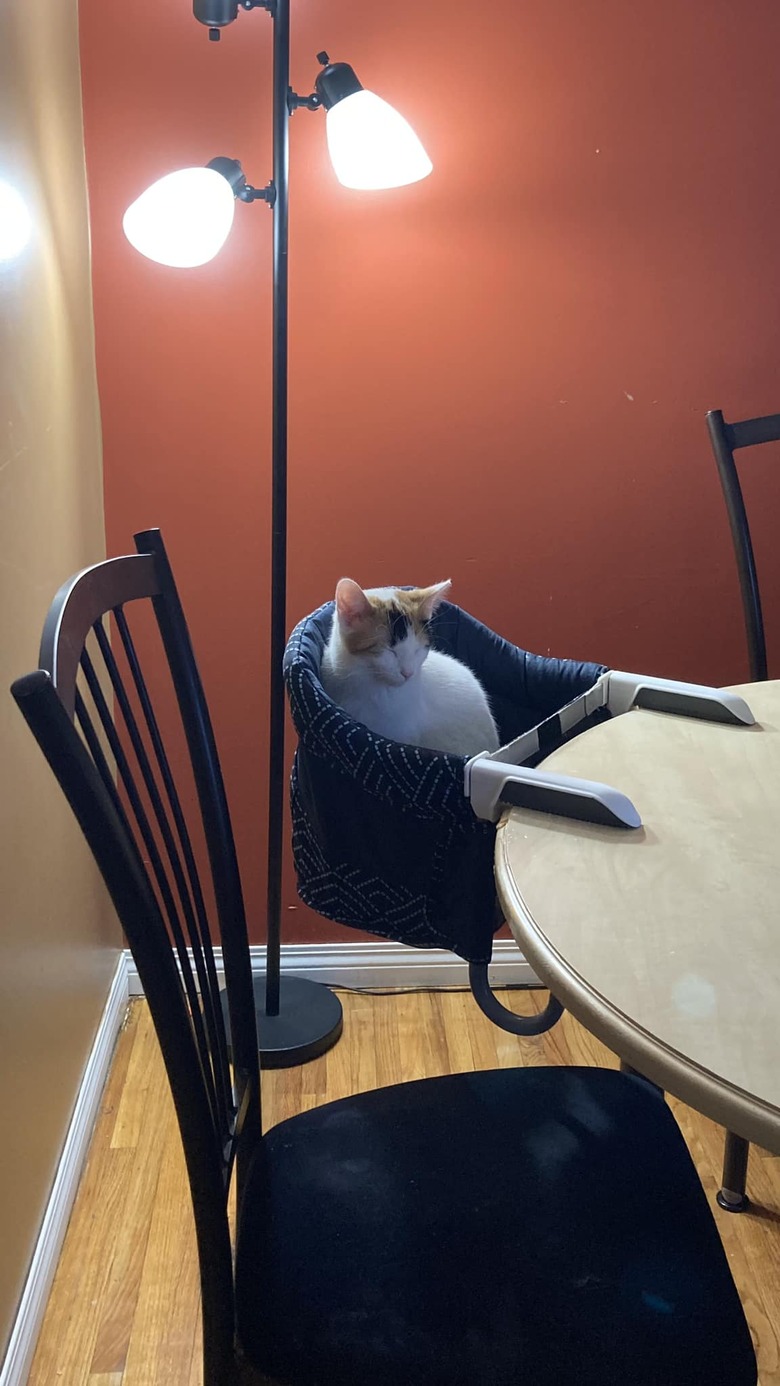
58	937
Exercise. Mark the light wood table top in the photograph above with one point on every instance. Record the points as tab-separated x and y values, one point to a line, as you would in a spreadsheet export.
665	940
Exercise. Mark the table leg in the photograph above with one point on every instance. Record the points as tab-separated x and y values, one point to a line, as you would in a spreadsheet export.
732	1196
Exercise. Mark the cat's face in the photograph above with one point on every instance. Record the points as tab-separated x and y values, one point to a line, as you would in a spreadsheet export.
386	629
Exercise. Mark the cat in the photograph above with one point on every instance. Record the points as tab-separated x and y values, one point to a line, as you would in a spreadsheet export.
379	667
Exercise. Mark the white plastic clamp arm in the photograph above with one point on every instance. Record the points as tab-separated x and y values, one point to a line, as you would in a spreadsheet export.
493	785
625	691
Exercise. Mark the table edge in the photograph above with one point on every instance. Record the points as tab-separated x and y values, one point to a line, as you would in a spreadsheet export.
731	1107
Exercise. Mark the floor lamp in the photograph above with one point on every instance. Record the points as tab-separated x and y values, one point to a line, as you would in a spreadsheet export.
183	220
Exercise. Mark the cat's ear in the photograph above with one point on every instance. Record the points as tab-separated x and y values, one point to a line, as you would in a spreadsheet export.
430	597
352	604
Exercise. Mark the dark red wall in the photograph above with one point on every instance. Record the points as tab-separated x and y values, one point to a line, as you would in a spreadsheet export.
499	375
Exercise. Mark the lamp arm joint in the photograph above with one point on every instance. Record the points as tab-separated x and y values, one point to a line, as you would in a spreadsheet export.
249	194
294	101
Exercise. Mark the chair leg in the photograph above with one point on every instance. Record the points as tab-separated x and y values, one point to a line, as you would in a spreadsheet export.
732	1196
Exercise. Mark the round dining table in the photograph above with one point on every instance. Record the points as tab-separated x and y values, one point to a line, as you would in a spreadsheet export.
664	940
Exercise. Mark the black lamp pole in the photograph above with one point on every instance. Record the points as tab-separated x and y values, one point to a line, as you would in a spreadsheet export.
297	1019
281	160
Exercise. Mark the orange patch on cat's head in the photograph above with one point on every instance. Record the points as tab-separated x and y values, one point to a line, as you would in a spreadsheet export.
365	617
419	603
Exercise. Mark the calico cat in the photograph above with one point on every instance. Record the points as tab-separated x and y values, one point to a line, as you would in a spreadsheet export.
378	665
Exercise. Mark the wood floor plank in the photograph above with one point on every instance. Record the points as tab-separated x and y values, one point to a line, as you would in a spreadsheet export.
124	1309
66	1345
454	1017
387	1048
146	1091
361	1020
166	1328
411	1016
483	1035
141	1089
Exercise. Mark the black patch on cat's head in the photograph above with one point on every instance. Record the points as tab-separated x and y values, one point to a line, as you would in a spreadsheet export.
398	626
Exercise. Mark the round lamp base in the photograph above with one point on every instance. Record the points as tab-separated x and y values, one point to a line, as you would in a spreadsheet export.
309	1022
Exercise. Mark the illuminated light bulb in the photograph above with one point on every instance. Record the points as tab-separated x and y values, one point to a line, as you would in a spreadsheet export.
15	222
183	219
372	146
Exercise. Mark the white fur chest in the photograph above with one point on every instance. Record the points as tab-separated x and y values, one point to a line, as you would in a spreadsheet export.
397	713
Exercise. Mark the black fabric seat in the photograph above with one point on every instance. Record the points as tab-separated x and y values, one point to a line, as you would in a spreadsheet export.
534	1225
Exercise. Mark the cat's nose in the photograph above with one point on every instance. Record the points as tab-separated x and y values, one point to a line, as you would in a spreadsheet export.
407	673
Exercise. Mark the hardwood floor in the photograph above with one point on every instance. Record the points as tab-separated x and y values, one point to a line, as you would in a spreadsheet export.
124	1305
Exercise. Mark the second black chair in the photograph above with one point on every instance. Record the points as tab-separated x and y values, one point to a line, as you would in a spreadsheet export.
726	439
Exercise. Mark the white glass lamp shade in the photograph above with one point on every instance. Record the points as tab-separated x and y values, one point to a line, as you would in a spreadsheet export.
372	146
183	219
15	222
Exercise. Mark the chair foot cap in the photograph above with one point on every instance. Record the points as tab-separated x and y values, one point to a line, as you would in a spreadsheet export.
732	1202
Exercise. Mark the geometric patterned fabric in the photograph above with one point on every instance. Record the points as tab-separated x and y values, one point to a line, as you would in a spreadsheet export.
384	837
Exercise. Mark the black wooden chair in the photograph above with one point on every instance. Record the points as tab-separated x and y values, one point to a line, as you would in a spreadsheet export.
530	1224
726	439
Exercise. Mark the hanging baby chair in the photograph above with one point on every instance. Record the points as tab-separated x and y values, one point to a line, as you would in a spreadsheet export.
384	837
398	840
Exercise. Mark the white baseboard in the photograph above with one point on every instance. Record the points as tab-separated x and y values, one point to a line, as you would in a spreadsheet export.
24	1335
379	964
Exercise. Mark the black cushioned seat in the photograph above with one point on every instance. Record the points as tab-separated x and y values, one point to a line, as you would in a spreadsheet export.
539	1226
